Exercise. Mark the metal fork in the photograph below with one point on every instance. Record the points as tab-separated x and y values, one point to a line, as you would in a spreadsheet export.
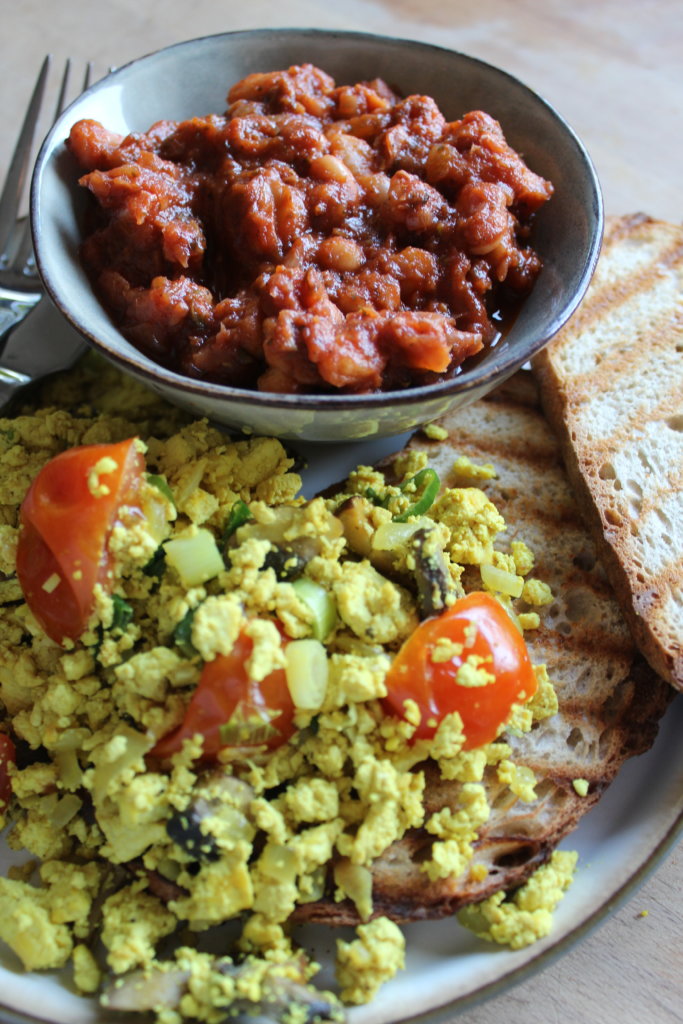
20	286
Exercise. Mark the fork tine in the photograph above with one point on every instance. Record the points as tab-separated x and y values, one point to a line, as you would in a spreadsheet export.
25	247
87	79
16	175
61	98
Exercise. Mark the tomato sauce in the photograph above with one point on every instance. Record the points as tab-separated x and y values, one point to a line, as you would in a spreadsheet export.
313	238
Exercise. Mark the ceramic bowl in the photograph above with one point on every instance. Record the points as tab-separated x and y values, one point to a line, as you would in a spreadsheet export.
192	78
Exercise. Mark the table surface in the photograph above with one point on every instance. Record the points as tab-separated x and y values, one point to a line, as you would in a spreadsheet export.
614	70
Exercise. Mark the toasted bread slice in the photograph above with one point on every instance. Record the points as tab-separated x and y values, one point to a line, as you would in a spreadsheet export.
612	387
610	700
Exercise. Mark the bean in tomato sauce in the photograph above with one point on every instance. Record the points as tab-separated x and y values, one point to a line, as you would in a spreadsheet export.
313	238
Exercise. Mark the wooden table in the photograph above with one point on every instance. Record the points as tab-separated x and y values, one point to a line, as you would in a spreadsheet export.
614	68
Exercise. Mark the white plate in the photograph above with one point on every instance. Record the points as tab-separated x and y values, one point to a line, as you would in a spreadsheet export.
623	838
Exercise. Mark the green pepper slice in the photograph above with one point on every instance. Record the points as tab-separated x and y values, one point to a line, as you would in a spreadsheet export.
238	515
427	480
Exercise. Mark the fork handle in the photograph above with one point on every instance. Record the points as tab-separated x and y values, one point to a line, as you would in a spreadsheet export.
12	310
10	383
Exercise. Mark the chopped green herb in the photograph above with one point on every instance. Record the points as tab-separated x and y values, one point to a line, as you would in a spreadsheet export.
157	563
372	495
182	634
123	613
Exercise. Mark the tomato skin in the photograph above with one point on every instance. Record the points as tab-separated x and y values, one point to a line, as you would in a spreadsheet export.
432	684
8	756
64	532
224	686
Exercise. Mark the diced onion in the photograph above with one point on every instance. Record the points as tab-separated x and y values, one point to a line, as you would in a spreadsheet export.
66	809
392	536
321	604
70	773
133	751
355	881
501	581
158	507
307	672
278	862
195	557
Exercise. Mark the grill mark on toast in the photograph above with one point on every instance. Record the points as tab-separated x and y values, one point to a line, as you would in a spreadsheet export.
514	450
639	521
559	516
629	357
608	294
586	641
662	408
617	228
618	437
627	366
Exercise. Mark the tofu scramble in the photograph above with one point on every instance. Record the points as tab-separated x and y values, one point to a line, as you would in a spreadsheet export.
233	730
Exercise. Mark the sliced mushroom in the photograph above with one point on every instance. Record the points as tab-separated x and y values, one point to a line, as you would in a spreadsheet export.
288	561
286	994
218	796
435	585
283	992
142	991
354	515
292	542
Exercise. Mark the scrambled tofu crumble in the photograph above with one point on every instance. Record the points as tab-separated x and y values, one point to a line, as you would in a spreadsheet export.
147	850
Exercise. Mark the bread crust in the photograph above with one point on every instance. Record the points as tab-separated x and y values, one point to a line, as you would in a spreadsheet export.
611	385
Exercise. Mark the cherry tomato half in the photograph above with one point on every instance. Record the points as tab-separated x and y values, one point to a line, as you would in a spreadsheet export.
8	756
65	525
479	625
230	710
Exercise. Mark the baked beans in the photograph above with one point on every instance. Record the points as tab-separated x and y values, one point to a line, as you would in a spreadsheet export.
314	237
